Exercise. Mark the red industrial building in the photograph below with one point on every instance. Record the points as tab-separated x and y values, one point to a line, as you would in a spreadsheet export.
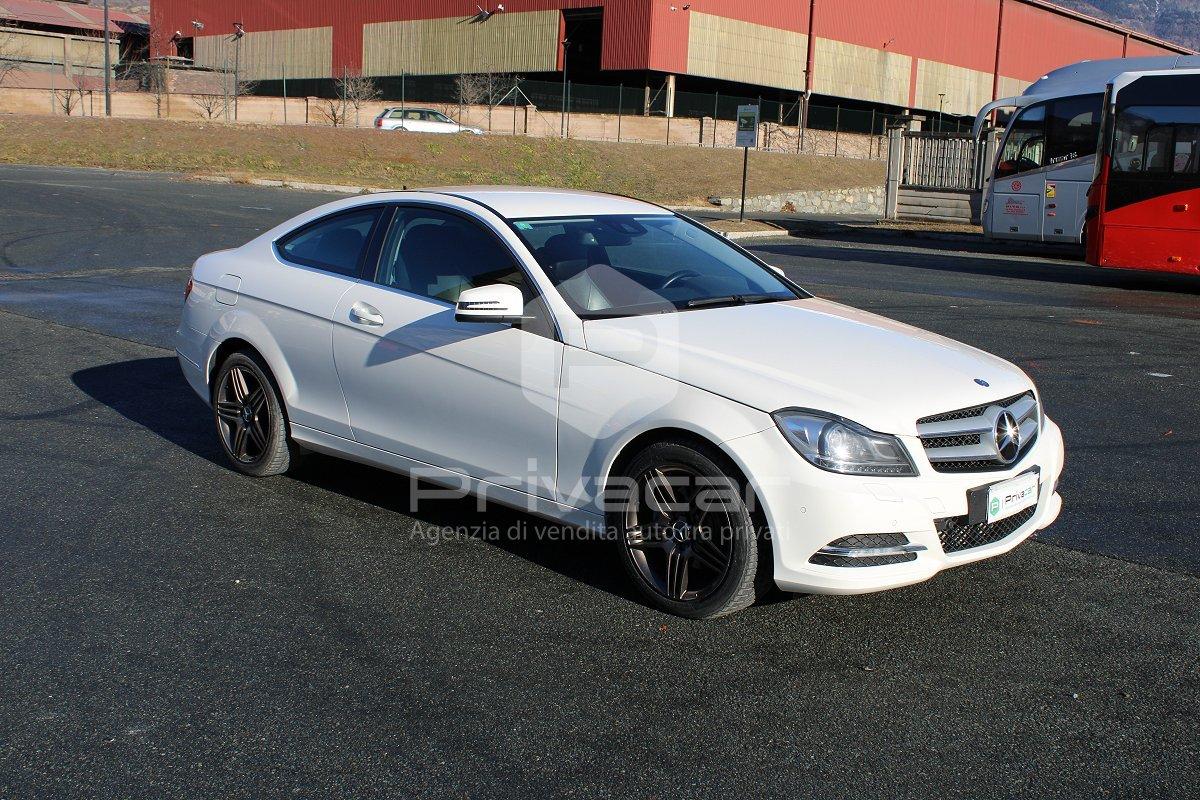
924	55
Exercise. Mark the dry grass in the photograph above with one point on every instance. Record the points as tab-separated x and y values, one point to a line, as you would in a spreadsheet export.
365	157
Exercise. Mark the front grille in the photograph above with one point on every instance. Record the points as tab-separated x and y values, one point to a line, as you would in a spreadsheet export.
973	411
956	533
982	465
934	442
863	541
963	440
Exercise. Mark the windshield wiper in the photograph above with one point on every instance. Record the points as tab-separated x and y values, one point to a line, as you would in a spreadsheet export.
732	300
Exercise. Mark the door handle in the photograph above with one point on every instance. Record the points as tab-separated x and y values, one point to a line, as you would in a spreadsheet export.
365	314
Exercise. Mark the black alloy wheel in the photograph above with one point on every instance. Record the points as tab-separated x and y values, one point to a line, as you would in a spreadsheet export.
249	417
687	534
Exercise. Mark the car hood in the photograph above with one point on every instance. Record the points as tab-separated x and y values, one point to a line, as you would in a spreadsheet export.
812	354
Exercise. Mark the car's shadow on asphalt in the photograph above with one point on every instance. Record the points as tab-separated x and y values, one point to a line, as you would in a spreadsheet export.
956	259
153	393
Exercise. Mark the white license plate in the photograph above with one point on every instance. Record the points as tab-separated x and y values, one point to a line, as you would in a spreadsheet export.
1008	497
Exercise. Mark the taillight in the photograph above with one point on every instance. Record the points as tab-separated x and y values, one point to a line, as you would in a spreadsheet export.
379	122
187	290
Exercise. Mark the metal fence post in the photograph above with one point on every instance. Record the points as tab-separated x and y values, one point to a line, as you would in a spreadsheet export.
620	108
894	158
716	108
837	129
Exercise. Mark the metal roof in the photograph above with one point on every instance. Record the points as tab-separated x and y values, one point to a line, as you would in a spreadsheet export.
66	15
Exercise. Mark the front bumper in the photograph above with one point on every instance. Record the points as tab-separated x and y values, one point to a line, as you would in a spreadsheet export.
807	509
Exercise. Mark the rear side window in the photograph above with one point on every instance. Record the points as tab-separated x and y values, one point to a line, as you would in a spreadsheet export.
335	244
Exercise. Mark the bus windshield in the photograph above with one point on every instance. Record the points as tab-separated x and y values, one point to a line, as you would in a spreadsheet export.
1050	133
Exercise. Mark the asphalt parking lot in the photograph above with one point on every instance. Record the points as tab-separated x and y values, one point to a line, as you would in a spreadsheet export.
169	628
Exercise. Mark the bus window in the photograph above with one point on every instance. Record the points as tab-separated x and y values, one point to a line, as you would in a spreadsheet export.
1073	128
1025	145
1157	139
1187	144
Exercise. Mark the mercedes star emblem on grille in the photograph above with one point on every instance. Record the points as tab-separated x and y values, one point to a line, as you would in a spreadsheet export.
1008	437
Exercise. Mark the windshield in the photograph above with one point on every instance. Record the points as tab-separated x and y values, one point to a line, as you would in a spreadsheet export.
622	265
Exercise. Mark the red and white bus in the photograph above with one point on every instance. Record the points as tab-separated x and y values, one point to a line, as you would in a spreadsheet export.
1143	209
1036	189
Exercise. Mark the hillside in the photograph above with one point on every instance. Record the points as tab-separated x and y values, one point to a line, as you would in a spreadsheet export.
1174	20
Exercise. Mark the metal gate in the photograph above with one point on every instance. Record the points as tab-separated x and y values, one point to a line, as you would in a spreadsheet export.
937	176
941	161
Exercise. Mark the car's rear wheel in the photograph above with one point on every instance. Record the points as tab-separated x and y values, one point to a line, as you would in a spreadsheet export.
249	417
687	533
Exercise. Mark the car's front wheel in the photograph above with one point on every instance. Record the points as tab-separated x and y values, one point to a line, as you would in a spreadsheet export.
249	416
687	532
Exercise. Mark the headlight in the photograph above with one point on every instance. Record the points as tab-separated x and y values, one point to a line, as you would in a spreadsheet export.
839	445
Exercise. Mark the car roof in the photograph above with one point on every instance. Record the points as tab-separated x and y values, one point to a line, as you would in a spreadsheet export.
517	202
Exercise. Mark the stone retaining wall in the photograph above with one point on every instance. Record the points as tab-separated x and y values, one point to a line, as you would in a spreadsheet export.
863	200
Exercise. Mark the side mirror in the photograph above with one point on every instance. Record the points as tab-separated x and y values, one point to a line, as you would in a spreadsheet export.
498	302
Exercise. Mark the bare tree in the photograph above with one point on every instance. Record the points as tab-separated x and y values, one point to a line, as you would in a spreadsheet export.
70	98
209	106
484	89
231	88
332	110
355	91
11	54
151	77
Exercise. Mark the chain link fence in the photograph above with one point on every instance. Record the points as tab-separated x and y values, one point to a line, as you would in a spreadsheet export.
631	113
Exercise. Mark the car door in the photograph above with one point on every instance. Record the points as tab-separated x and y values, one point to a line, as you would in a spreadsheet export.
296	296
418	121
475	398
439	123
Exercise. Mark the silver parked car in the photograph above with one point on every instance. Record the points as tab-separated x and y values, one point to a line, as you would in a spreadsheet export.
420	120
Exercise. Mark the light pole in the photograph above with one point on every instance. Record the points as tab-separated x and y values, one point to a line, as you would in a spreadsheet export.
566	43
238	33
941	102
107	67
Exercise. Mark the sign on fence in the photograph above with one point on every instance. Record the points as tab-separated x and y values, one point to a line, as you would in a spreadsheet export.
747	126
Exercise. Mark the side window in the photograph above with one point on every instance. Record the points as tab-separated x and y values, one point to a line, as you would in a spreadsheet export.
396	114
1024	147
1161	140
413	115
439	117
335	243
437	254
1073	128
1187	150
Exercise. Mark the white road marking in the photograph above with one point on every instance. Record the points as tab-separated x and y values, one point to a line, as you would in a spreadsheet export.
1159	375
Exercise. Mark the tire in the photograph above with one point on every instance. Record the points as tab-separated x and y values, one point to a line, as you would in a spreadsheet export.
249	417
688	514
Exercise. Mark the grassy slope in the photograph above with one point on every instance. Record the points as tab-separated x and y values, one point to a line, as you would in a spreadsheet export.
367	157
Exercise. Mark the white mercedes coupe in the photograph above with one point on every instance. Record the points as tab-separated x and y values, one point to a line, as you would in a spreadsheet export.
622	370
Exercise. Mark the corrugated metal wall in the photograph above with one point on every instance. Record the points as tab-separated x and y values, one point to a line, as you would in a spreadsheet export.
920	52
